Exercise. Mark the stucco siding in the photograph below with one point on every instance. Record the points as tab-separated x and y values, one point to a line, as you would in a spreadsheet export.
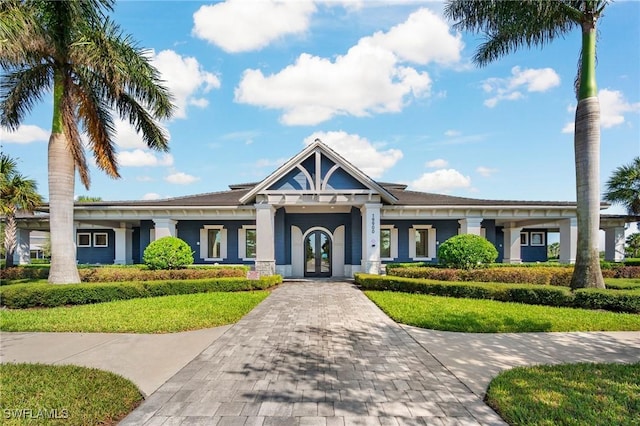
97	255
189	231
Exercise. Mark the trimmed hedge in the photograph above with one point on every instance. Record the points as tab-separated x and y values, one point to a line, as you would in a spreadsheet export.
129	273
21	296
531	294
558	276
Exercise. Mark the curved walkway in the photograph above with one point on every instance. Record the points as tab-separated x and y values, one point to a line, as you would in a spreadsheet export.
317	353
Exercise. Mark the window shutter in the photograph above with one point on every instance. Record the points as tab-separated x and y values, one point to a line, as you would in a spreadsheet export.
242	243
432	243
203	243
223	243
412	243
394	243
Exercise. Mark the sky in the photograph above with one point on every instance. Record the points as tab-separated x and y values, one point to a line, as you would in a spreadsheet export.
389	85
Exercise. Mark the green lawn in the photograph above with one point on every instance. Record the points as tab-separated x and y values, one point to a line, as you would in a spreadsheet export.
37	394
573	394
165	314
488	316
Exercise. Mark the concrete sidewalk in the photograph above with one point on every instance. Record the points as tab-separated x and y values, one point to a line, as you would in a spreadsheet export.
148	360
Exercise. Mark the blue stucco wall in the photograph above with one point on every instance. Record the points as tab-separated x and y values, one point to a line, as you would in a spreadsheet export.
527	253
445	229
189	231
97	255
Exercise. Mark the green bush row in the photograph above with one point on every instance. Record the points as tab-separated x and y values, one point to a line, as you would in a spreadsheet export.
532	294
559	275
21	296
129	273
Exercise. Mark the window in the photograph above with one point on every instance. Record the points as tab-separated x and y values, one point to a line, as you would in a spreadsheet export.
385	243
214	238
250	243
213	242
537	238
100	239
422	242
524	238
422	238
83	239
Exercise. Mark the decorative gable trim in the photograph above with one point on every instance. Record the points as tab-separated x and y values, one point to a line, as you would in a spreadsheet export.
318	184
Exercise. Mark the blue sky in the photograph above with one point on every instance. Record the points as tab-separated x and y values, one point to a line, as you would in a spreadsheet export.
389	85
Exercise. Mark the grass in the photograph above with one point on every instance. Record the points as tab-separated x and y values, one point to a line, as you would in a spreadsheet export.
571	394
64	394
165	314
488	316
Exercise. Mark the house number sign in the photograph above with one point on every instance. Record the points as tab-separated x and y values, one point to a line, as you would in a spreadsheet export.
373	223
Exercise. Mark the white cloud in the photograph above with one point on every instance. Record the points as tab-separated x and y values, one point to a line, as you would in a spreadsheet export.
613	106
142	158
366	80
368	157
423	38
185	78
486	171
180	178
265	162
529	79
370	78
452	133
438	163
151	196
240	25
443	180
26	133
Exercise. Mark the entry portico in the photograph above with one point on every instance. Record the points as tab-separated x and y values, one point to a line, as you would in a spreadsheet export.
319	216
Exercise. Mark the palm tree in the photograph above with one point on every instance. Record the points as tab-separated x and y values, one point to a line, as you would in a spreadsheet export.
509	25
93	70
17	193
623	187
633	245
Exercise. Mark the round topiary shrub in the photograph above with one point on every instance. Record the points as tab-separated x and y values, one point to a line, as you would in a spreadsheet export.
167	253
467	251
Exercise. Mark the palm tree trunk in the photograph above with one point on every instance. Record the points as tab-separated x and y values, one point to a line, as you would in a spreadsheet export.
61	190
10	232
587	271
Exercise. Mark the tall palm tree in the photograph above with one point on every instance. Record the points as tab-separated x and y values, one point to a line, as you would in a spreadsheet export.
93	70
623	187
509	25
17	193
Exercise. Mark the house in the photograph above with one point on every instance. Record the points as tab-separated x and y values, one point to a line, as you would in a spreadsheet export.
319	216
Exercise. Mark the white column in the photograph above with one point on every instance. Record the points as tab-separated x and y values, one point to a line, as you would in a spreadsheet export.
371	238
614	244
470	225
512	249
265	239
164	228
568	240
22	253
124	242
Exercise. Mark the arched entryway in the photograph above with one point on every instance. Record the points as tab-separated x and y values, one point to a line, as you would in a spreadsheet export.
317	254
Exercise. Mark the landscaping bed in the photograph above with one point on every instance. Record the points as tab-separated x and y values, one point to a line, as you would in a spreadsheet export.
534	294
20	296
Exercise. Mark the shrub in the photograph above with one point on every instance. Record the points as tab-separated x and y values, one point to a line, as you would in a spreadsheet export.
168	253
523	293
467	251
617	300
22	296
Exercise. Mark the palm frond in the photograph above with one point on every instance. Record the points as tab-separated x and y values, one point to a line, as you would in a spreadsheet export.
20	90
70	127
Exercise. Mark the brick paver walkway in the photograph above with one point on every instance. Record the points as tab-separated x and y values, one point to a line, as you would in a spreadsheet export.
314	353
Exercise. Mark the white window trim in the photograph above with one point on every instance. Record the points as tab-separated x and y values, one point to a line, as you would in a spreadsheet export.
394	242
106	238
78	239
526	239
541	239
242	242
204	235
431	242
